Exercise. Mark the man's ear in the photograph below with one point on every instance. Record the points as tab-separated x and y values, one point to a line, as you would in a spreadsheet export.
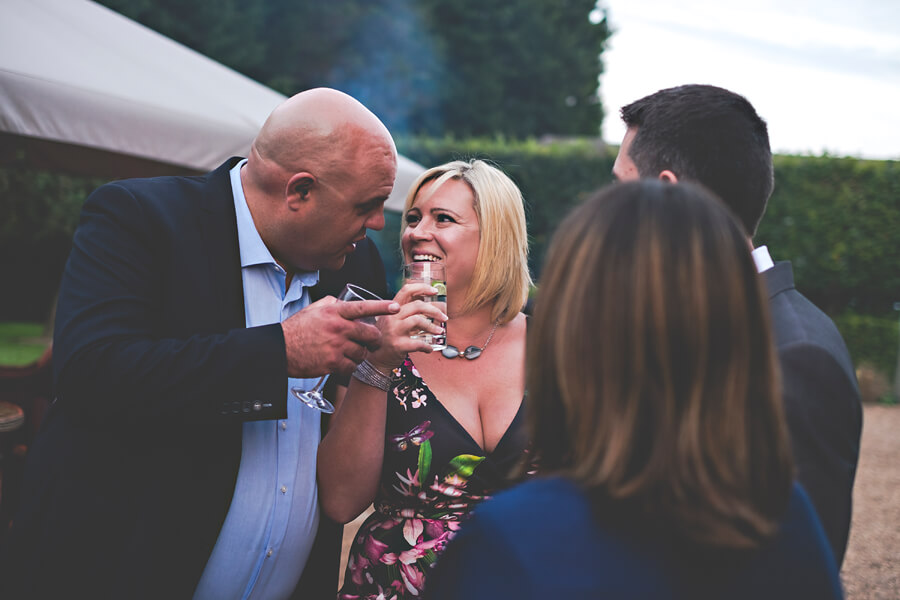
298	190
668	176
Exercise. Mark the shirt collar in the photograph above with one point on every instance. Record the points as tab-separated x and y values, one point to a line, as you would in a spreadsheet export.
252	248
762	259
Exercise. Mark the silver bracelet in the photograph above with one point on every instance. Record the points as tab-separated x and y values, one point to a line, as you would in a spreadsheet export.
369	375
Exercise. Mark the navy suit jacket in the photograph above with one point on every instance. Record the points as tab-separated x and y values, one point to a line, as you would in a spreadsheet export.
129	482
821	400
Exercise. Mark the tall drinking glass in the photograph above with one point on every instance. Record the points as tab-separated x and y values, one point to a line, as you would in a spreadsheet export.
314	398
433	274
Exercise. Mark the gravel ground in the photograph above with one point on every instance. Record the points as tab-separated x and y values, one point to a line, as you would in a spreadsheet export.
872	564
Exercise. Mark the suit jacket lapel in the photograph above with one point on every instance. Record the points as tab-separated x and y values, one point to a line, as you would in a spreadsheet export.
779	278
218	231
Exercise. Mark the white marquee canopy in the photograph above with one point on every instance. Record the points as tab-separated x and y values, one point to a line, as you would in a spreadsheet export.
84	88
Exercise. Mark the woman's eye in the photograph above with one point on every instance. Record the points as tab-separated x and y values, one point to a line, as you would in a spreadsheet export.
412	219
445	219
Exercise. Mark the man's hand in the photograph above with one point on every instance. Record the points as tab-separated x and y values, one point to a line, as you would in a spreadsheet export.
325	338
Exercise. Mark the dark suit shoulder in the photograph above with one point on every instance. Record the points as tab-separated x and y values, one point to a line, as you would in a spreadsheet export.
169	194
795	318
819	381
797	321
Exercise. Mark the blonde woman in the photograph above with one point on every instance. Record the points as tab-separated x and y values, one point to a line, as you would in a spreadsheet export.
427	435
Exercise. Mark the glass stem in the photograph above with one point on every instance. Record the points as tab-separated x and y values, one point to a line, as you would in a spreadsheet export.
319	384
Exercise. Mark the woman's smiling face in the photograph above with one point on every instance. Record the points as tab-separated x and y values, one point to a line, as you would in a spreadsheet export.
442	226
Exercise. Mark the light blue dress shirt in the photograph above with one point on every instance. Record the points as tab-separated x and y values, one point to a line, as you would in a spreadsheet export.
269	530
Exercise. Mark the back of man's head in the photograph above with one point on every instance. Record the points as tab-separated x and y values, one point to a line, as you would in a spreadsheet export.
708	135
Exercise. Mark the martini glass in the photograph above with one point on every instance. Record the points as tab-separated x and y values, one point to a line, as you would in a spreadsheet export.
314	398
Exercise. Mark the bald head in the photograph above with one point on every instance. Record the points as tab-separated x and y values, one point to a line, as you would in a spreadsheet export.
319	129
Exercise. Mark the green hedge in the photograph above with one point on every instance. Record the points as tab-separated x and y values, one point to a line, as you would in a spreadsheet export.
39	214
837	219
871	339
21	343
553	177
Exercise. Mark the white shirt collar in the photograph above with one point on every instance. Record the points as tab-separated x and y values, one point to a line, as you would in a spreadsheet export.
762	259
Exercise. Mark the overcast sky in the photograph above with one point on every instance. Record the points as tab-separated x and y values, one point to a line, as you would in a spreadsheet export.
824	74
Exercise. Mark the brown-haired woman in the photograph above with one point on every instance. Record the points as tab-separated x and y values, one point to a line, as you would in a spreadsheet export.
654	409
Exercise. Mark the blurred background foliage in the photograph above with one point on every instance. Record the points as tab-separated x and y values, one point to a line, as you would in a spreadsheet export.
838	221
450	86
834	218
473	68
553	176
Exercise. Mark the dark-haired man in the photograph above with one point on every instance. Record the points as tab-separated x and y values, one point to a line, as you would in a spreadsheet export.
712	136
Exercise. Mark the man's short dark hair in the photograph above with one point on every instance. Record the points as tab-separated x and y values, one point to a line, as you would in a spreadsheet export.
708	135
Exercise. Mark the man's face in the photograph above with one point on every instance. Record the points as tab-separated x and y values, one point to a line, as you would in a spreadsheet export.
339	212
624	168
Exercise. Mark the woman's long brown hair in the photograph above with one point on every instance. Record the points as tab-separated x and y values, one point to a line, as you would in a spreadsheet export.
652	379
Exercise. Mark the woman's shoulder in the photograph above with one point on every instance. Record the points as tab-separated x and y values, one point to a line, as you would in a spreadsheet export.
802	529
550	487
798	562
801	520
544	531
540	501
518	328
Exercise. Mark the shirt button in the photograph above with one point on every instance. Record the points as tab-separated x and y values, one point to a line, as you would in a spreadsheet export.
283	425
269	553
284	489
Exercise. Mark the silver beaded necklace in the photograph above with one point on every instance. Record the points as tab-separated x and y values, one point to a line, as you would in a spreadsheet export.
472	352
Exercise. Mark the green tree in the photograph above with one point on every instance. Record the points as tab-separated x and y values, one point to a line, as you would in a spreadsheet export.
229	31
520	68
517	68
378	51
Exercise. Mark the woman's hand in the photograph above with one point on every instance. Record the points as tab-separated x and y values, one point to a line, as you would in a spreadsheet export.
415	315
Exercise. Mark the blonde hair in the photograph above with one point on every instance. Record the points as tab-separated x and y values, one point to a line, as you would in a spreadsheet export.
652	376
501	276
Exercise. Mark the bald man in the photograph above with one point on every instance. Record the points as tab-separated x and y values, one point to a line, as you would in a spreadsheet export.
174	463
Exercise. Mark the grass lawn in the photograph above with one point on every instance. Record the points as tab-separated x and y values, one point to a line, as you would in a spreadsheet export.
21	343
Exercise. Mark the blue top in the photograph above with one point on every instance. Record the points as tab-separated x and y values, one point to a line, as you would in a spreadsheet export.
540	540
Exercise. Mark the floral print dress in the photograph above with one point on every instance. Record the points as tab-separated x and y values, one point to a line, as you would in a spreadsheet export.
433	474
